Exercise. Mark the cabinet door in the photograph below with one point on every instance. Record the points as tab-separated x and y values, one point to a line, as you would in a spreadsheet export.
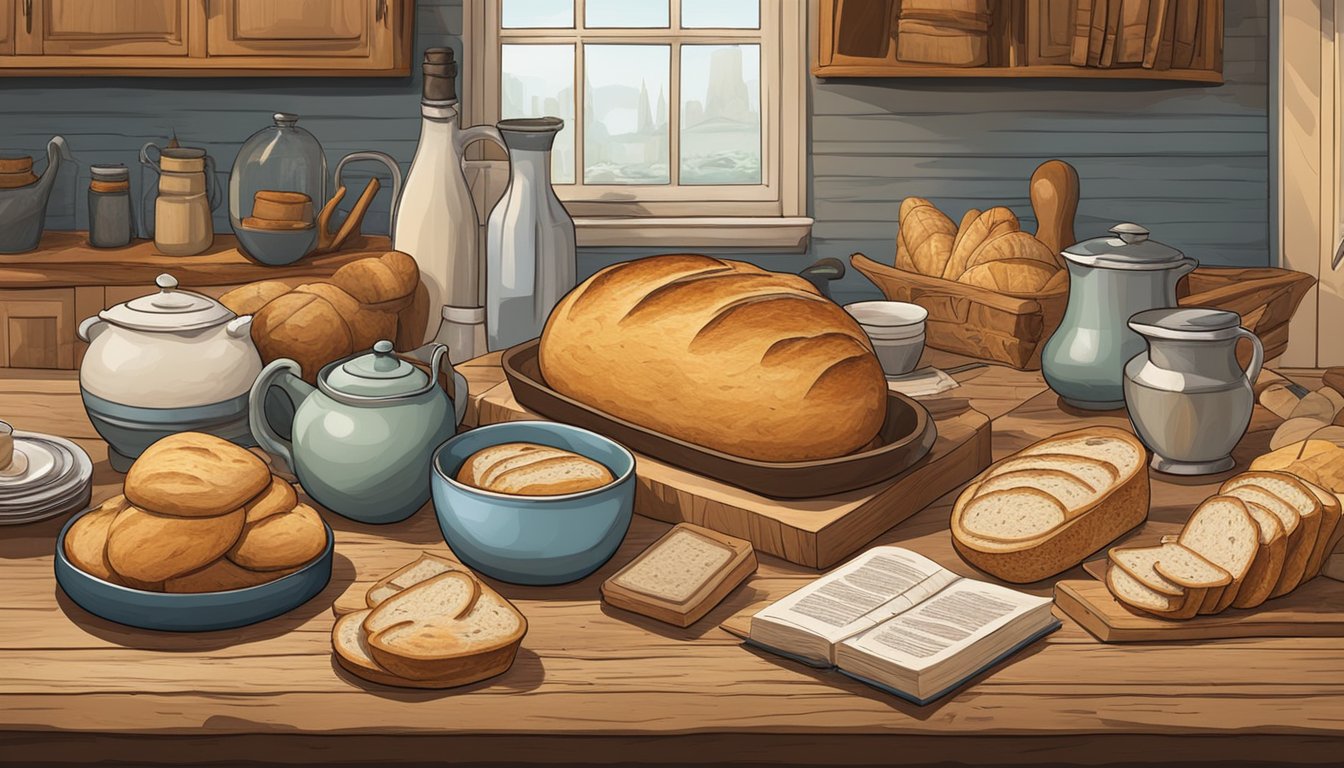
9	13
1050	25
297	29
37	328
104	27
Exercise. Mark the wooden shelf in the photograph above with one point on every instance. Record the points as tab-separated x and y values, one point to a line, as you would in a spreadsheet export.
66	260
1192	76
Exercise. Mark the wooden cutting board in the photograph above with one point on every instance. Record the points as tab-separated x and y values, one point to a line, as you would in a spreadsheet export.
817	532
1315	609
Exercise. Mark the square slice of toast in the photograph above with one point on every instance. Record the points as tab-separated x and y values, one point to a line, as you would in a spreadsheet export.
681	576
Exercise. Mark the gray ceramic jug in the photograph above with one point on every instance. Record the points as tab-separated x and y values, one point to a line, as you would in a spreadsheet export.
23	210
1111	279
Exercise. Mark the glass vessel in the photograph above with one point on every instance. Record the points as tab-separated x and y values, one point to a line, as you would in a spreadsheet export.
279	158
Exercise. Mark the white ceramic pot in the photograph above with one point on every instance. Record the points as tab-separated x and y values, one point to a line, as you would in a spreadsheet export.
168	362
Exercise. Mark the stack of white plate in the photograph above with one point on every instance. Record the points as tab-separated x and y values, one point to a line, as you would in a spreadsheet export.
49	476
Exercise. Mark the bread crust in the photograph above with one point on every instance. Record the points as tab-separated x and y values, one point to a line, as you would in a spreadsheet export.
305	328
192	474
149	547
286	540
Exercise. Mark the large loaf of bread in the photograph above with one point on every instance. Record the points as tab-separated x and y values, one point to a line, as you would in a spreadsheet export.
718	353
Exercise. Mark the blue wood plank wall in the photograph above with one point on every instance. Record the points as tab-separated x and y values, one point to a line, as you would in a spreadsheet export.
1192	163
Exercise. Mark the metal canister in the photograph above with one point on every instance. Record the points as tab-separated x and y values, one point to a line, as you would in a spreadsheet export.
111	223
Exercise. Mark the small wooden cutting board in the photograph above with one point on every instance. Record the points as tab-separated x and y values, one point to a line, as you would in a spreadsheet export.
1315	609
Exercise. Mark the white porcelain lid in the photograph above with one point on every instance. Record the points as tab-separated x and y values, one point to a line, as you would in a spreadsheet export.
169	310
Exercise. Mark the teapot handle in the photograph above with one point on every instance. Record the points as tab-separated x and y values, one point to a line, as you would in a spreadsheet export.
284	374
1257	355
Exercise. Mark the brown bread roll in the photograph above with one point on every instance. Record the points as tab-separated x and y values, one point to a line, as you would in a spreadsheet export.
366	326
718	353
250	298
149	547
389	277
86	542
220	576
278	497
281	541
305	328
528	469
192	474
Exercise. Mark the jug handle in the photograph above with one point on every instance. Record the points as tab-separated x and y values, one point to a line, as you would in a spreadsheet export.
145	158
1257	355
213	193
285	374
477	133
392	166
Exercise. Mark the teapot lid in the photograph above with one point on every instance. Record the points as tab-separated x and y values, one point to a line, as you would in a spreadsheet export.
169	310
379	373
1130	248
1193	323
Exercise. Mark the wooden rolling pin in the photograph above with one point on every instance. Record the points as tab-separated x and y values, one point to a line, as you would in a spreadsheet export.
1054	200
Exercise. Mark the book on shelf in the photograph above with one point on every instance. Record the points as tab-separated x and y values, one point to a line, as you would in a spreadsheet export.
901	623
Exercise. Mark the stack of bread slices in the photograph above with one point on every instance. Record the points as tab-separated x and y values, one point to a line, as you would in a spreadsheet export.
1261	536
430	624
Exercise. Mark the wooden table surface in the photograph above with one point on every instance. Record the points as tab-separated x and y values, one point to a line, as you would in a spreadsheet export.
594	684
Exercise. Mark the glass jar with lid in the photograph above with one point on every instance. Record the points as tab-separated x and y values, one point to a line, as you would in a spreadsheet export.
110	219
282	157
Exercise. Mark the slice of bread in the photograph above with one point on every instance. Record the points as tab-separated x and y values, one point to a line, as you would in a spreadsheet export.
1331	529
436	630
1013	515
1065	487
682	576
528	469
1132	592
1268	565
1194	578
1092	454
1141	562
407	576
1308	508
1223	532
350	646
1189	569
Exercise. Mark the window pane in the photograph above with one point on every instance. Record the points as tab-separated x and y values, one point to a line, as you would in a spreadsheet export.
720	114
714	14
538	80
625	114
625	13
537	13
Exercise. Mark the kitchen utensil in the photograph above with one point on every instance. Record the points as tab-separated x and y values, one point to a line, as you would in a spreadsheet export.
1054	200
172	361
188	191
23	208
436	215
906	436
1187	396
534	539
111	220
275	166
822	272
1111	279
530	245
362	439
194	612
896	330
56	478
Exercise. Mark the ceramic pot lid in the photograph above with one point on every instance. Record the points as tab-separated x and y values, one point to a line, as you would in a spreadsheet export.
1130	248
380	373
170	310
1193	323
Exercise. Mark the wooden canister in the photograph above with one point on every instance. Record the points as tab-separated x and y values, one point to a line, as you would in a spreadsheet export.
16	171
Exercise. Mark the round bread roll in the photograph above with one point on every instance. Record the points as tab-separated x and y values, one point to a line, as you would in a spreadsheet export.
149	547
366	326
281	541
221	576
278	497
250	298
192	474
528	469
392	276
305	328
1010	275
86	541
718	353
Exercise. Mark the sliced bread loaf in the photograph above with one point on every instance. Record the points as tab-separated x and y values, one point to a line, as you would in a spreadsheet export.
1331	529
1308	509
1098	474
1105	443
423	633
1064	486
1185	575
1012	515
1268	564
350	646
1223	532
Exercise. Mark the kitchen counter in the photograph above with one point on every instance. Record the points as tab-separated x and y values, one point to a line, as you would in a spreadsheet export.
593	684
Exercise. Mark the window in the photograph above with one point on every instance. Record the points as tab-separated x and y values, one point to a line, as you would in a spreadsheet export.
684	119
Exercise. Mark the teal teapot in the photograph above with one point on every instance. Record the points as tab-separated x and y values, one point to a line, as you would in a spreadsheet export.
362	439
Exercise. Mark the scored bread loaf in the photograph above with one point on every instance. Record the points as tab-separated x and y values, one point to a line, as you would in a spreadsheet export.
718	353
528	469
193	474
1107	459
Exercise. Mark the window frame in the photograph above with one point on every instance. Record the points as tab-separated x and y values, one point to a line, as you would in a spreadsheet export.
769	215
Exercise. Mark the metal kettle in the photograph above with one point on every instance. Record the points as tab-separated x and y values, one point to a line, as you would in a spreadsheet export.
1110	280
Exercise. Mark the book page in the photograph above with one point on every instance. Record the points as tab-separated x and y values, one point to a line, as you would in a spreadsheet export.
860	594
946	624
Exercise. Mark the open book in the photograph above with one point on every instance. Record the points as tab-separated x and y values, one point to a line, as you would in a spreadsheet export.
900	622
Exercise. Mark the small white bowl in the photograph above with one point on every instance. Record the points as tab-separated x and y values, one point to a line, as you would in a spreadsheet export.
896	329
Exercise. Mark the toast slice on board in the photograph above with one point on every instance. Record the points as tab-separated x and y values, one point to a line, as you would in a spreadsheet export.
681	576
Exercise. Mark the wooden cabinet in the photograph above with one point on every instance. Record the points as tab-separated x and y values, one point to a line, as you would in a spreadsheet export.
37	328
205	37
104	27
1049	31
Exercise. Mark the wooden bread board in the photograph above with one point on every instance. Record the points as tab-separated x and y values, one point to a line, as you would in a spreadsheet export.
1315	609
819	532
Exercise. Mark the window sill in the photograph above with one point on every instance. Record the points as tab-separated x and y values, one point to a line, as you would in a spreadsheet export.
789	233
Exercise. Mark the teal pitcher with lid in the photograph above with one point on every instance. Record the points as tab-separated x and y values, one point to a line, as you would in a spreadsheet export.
363	437
1110	280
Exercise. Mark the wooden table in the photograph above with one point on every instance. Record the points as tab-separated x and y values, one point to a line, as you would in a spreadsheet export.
596	685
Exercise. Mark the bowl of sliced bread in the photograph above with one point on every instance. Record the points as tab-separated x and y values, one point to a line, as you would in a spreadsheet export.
532	502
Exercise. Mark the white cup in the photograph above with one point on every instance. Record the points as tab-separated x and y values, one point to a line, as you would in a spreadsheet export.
896	329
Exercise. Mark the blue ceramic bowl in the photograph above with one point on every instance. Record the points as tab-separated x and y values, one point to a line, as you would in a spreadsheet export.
533	539
199	612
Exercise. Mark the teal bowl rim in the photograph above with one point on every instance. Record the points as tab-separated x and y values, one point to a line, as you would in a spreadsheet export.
186	597
437	466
